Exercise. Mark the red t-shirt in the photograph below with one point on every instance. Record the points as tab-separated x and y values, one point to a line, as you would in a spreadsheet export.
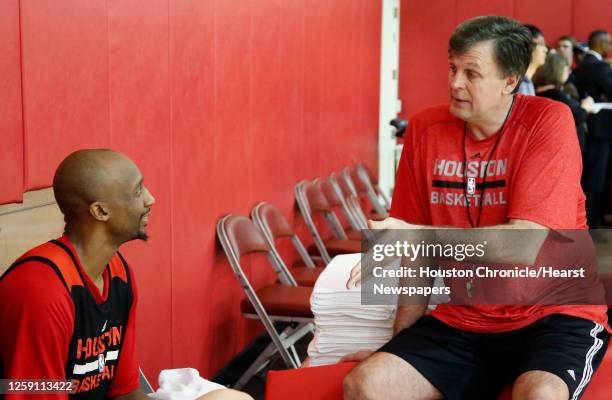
533	175
37	319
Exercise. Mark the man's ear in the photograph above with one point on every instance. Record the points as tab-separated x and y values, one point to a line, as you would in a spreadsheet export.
99	210
511	83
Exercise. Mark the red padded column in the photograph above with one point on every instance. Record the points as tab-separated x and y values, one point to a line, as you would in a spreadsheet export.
65	82
11	118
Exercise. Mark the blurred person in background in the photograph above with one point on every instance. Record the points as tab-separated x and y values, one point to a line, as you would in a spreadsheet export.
549	81
538	58
593	77
565	48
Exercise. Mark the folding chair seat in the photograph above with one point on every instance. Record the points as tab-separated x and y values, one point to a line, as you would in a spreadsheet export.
353	235
275	227
284	302
305	276
311	201
281	300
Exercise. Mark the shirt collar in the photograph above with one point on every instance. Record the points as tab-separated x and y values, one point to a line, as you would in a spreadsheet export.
595	54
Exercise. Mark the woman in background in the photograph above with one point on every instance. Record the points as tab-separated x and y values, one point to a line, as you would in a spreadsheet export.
549	80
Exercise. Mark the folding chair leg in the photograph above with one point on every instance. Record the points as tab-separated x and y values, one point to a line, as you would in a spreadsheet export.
295	356
287	338
260	362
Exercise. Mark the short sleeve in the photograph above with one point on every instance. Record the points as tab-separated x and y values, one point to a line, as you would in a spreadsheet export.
407	203
36	316
546	186
126	379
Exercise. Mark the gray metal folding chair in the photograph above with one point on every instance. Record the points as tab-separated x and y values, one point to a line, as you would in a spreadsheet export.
350	199
282	302
275	227
370	180
311	201
337	202
357	179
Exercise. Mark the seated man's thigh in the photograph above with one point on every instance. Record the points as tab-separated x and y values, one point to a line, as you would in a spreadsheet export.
539	385
451	360
561	348
386	376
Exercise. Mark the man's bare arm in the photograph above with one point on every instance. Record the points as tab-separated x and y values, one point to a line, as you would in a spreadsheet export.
407	315
523	249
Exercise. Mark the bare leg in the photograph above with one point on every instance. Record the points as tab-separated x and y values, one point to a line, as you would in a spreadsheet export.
386	376
539	385
225	394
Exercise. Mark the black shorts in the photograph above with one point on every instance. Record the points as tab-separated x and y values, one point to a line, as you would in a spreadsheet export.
467	365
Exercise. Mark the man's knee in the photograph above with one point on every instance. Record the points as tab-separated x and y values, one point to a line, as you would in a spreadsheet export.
358	385
225	394
539	385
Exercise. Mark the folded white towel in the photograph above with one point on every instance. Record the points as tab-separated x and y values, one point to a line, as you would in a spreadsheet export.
343	324
182	384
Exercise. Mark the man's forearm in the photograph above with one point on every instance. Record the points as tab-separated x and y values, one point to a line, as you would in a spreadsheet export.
517	242
407	315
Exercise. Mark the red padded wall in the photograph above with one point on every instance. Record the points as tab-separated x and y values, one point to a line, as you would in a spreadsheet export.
194	212
590	15
424	32
139	86
554	18
65	82
11	121
473	8
427	26
222	104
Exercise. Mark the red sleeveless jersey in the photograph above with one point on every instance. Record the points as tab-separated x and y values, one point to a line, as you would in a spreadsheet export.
56	324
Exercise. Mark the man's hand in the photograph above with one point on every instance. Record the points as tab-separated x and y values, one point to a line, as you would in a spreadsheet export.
358	356
389	223
355	276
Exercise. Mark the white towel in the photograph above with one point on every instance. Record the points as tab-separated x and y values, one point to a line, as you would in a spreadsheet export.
343	324
182	384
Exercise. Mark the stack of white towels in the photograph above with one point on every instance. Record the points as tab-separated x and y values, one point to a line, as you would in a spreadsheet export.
343	324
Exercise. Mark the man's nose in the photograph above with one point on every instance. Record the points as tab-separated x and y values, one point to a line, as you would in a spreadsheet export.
149	199
456	81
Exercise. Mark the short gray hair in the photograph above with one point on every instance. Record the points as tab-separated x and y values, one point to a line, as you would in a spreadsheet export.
512	42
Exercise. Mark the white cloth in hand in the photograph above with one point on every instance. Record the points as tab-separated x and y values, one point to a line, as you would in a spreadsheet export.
182	384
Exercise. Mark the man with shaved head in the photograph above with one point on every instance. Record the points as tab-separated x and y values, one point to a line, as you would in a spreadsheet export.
67	307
